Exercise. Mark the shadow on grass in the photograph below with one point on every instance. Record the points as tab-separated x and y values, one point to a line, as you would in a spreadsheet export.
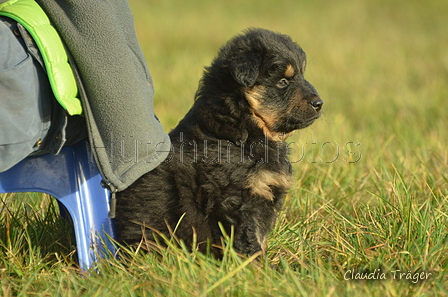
32	231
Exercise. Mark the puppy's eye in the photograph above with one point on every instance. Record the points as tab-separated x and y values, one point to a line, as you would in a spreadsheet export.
283	83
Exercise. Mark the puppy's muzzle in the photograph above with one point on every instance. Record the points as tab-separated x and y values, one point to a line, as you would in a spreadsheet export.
317	104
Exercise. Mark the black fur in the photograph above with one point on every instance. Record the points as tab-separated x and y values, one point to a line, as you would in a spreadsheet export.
228	161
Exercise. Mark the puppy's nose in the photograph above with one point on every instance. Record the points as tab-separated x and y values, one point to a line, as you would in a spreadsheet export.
317	104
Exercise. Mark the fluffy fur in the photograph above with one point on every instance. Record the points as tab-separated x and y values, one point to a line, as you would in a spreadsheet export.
228	163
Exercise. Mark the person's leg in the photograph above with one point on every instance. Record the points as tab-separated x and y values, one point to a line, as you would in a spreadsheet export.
25	98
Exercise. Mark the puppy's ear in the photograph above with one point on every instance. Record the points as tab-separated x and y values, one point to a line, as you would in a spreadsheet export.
245	69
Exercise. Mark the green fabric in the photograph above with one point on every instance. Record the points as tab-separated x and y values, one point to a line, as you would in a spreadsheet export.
62	81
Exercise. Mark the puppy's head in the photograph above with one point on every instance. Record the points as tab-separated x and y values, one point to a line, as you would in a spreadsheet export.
269	69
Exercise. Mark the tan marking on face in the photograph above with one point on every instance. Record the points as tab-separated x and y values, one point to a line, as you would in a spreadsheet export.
263	118
254	96
298	103
260	183
289	71
263	122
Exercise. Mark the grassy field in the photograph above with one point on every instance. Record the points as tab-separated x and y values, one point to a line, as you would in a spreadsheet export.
370	192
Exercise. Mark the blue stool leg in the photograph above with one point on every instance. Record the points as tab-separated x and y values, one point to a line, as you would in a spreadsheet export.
73	179
89	209
89	212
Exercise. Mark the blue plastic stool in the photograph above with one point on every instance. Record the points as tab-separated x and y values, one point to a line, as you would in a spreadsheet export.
71	177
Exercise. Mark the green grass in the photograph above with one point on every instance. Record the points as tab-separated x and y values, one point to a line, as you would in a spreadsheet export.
371	176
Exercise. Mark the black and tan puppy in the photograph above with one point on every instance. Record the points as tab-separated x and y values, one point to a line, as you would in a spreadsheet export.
228	162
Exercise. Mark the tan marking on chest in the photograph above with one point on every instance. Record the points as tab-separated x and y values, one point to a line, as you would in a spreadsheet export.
260	183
